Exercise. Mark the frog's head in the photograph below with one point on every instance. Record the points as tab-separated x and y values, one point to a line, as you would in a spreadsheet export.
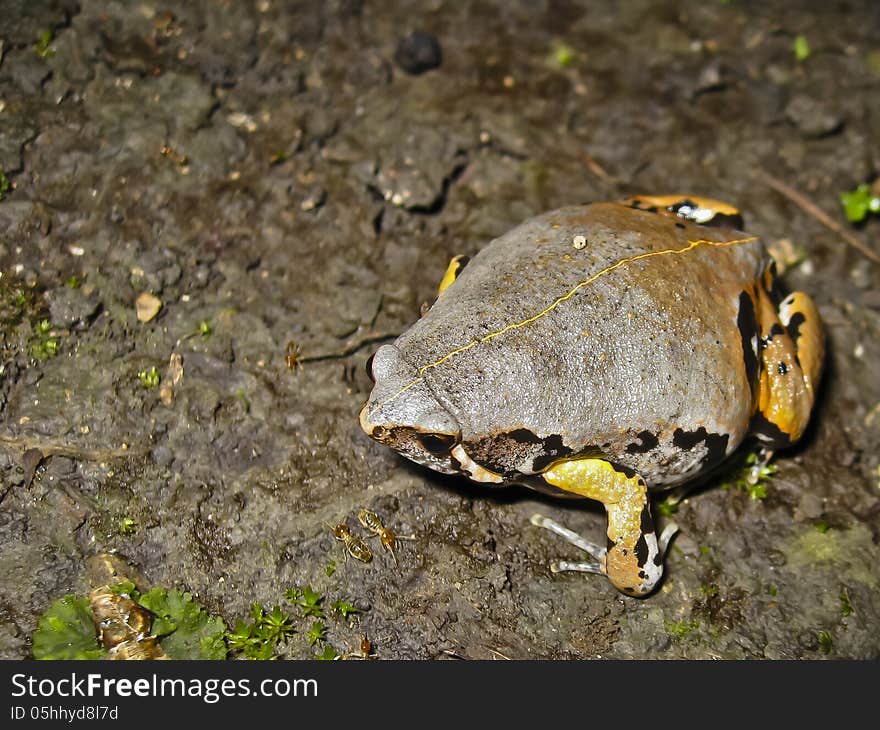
402	413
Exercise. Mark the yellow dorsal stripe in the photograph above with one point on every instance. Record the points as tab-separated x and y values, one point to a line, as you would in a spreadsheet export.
556	302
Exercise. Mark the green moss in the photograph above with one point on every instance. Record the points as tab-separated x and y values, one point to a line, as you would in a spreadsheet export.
846	608
680	629
43	42
826	642
4	185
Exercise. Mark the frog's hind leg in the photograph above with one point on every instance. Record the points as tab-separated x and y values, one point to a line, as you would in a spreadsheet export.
633	560
792	351
597	552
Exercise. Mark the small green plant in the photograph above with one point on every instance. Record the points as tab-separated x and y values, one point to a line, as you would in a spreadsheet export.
309	602
150	378
43	43
328	654
74	282
667	507
859	202
822	526
187	631
563	55
846	608
4	185
344	608
826	643
277	626
801	48
128	526
680	629
44	346
67	631
205	328
259	638
330	568
752	477
318	633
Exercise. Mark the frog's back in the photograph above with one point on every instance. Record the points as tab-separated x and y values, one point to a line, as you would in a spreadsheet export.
598	328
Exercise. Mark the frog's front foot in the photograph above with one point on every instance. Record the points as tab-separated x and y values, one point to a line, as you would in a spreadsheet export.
599	555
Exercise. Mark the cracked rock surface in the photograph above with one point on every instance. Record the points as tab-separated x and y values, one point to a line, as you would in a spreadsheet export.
269	174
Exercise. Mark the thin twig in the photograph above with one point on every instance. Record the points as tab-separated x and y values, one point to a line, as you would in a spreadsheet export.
820	215
350	347
55	448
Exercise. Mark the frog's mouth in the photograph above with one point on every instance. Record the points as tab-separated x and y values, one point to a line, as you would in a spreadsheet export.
404	414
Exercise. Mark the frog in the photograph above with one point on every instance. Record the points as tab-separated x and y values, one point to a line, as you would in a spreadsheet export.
607	351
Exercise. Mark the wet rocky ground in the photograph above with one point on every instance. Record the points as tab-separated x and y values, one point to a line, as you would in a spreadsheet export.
271	173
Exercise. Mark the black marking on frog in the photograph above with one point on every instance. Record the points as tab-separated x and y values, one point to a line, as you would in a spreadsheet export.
768	432
724	220
637	205
627	472
679	224
716	443
461	262
645	520
647	441
794	325
516	447
782	368
747	323
641	551
776	330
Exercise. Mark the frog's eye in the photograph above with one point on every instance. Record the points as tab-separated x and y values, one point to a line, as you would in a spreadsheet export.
369	367
437	443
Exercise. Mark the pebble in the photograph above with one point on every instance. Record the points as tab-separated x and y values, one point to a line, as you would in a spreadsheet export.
147	306
418	52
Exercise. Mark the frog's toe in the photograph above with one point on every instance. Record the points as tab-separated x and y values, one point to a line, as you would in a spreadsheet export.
597	552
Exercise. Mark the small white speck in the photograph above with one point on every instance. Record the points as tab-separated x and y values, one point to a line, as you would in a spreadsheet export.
77	250
859	351
579	242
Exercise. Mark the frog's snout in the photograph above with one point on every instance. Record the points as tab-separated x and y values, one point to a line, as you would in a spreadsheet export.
403	413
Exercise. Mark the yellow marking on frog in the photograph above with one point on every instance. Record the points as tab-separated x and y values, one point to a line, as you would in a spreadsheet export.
790	369
667	201
624	497
691	245
452	271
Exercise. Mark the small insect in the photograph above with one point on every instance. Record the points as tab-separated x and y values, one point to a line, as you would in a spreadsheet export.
293	355
365	652
354	546
371	521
